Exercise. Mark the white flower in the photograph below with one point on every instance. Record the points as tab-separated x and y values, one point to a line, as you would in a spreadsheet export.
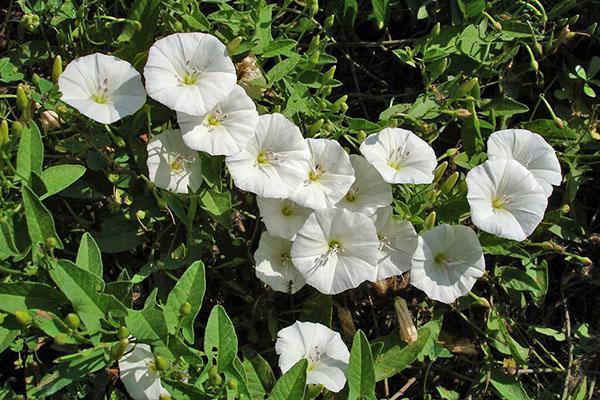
336	250
274	265
505	198
326	353
225	129
447	262
397	243
531	150
172	165
189	72
369	191
103	88
139	374
273	162
400	156
327	178
282	217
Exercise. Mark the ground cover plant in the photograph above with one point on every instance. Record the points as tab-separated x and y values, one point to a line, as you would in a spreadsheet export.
299	199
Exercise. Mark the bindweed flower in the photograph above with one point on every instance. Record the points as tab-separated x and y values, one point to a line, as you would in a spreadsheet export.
250	76
369	191
328	176
172	165
139	373
103	88
323	348
225	129
274	264
273	162
400	156
189	72
397	243
505	198
282	217
531	150
447	262
50	120
336	250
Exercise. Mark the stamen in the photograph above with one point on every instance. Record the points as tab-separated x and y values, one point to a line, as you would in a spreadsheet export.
352	194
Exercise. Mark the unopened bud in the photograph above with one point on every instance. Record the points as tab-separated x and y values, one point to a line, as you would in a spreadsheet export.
119	349
137	25
4	138
214	378
49	120
22	99
165	396
123	332
361	135
140	214
17	127
439	171
314	57
429	221
161	363
463	113
51	242
313	7
330	73
57	68
314	42
30	22
329	21
435	30
72	320
234	44
532	61
61	338
448	185
565	208
335	106
185	309
232	384
380	25
407	329
314	128
23	317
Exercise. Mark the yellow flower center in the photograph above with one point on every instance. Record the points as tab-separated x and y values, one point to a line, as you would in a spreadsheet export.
287	210
100	98
351	195
189	78
498	203
213	120
440	258
394	164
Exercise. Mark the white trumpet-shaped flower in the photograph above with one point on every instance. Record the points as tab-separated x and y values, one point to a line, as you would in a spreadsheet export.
327	178
397	243
225	129
336	250
274	265
273	162
323	348
139	373
189	72
172	165
505	198
103	88
447	262
531	150
369	191
400	156
282	217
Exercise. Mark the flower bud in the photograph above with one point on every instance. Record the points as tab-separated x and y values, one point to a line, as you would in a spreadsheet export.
61	338
4	139
165	396
123	332
314	57
330	73
234	44
429	221
361	135
161	363
462	113
532	61
326	90
140	214
57	68
435	30
137	25
17	127
22	99
30	22
329	21
407	329
314	42
448	185
119	349
439	171
313	7
23	318
185	309
335	106
232	384
565	208
214	378
314	128
72	320
49	120
380	25
51	242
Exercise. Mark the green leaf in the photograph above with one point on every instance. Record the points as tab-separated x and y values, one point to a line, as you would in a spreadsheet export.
20	296
283	68
40	223
8	72
215	203
189	288
83	288
117	235
255	387
278	47
60	177
30	155
292	384
52	325
505	106
398	355
361	372
7	337
381	9
508	386
220	340
89	256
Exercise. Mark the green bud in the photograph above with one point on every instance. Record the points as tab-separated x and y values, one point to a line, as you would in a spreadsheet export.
232	384
185	309
61	338
30	22
162	364
429	221
330	73
119	349
565	208
22	99
313	7
178	26
4	138
335	106
120	142
72	320
51	242
439	171
123	332
137	25
36	79
380	25
17	127
326	91
234	44
165	396
214	378
361	135
329	21
23	318
532	61
435	30
314	57
140	214
314	42
344	108
314	128
448	185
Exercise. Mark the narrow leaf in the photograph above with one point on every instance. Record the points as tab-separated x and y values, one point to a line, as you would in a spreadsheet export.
361	372
40	223
292	384
89	256
220	340
30	155
60	177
